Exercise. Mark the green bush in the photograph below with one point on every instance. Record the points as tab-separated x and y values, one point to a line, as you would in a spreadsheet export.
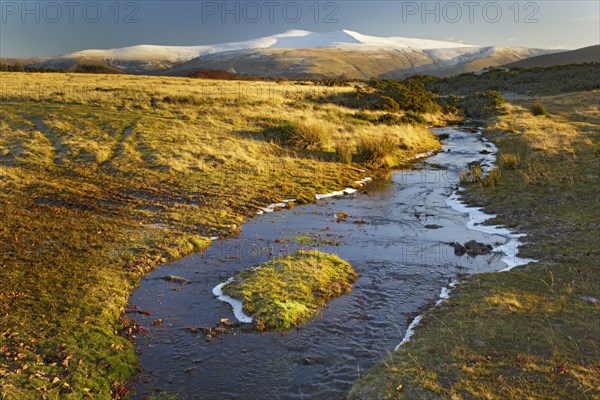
366	116
529	81
95	69
409	95
389	104
390	119
450	103
414	118
25	68
392	96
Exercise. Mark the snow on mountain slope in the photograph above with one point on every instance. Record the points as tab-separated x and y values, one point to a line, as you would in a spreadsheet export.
453	56
404	43
295	39
313	53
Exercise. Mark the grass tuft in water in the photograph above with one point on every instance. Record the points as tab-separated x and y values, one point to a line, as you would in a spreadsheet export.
289	290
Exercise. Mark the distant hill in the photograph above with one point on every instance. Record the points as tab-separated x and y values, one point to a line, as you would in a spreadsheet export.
354	62
584	55
537	81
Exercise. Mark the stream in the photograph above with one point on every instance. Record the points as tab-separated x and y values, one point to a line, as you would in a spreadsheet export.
396	235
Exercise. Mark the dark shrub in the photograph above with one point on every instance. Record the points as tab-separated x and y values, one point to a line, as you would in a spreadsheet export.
393	119
390	119
483	104
95	69
387	103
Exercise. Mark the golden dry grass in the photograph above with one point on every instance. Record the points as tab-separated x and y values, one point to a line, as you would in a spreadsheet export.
104	177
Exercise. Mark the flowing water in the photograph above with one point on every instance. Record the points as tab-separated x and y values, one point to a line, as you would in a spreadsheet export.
396	236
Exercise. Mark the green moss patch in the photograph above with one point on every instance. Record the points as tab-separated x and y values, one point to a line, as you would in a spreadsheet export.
289	290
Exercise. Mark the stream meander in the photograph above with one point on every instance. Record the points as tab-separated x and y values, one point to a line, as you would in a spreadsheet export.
396	236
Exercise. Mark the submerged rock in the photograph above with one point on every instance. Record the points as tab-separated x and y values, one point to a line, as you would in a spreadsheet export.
310	361
459	249
211	332
176	279
474	248
433	226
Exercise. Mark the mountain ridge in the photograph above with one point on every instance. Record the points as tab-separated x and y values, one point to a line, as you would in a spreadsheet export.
302	54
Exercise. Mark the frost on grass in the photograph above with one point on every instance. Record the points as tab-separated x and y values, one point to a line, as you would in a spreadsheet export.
410	331
287	291
236	305
477	218
339	193
275	206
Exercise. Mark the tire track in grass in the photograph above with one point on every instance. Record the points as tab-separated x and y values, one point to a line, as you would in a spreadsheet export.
119	146
59	148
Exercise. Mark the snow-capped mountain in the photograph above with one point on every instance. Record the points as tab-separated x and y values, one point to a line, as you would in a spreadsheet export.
292	39
304	53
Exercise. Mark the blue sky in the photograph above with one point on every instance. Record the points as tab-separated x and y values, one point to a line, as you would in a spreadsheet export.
46	28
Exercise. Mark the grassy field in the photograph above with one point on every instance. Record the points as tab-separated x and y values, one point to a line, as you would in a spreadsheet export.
105	177
533	332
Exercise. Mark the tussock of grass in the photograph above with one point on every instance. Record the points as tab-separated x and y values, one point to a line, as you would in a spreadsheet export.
509	160
492	179
289	290
344	152
183	100
378	151
305	134
475	175
310	134
537	108
472	175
